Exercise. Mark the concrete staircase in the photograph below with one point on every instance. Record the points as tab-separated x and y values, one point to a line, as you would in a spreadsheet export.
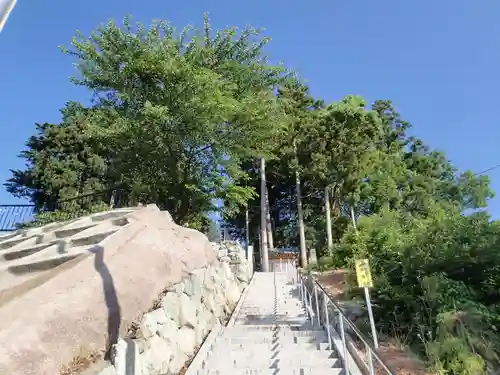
270	333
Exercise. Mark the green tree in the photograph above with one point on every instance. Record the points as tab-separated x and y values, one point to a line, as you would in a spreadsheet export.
61	161
172	117
178	112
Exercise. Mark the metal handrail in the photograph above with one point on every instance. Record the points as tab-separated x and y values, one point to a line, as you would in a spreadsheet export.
358	333
371	351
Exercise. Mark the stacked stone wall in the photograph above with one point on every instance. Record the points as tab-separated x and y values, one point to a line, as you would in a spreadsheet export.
168	336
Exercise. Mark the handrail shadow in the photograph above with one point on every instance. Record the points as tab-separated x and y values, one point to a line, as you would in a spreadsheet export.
110	297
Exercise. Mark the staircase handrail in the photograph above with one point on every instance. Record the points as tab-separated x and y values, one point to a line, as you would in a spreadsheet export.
371	351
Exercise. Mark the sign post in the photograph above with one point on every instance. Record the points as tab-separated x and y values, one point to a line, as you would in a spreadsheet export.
365	281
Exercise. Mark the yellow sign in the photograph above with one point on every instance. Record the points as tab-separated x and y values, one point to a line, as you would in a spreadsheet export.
364	274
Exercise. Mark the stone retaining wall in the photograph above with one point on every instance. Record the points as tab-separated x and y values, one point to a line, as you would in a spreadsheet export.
169	335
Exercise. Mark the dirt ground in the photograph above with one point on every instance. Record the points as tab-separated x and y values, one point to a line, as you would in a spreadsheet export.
403	363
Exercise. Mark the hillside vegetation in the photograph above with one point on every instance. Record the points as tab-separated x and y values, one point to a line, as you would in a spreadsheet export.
182	118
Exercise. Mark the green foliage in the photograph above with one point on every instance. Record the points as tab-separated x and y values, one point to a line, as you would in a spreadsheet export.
180	118
173	115
62	161
341	144
64	214
409	200
436	283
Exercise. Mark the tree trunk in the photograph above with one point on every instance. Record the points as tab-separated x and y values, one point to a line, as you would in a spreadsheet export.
269	226
300	214
276	221
302	233
336	203
263	217
353	218
329	237
247	228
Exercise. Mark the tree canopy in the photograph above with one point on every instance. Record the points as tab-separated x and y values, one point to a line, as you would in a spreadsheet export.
180	119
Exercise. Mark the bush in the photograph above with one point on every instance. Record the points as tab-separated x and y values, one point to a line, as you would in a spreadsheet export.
437	282
64	214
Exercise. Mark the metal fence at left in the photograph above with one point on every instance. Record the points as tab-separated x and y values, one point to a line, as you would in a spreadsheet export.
12	215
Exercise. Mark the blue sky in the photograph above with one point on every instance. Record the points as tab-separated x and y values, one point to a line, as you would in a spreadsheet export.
437	60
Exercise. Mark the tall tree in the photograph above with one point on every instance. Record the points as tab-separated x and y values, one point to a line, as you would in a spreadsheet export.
300	108
263	217
62	161
177	111
341	146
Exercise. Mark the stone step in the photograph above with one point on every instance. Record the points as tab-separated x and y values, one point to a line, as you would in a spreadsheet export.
295	350
271	371
45	264
94	235
256	310
23	242
69	231
17	252
8	236
52	249
243	332
269	319
271	314
243	323
252	309
27	236
265	362
272	335
284	327
58	249
110	218
11	242
89	236
270	340
115	214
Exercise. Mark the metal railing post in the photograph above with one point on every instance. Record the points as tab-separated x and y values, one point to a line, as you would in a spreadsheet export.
310	306
307	302
299	285
303	290
344	344
370	360
297	271
317	304
327	320
344	322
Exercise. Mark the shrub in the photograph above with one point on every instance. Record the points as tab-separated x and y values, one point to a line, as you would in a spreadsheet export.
437	282
64	214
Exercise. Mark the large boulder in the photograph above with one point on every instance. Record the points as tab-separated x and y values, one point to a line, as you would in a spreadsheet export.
90	292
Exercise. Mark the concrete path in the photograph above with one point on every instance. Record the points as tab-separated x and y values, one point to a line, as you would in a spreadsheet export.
270	334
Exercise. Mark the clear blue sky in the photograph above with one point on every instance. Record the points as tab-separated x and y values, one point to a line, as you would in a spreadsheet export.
437	60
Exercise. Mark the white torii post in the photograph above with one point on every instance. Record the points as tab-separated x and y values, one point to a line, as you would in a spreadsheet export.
6	7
